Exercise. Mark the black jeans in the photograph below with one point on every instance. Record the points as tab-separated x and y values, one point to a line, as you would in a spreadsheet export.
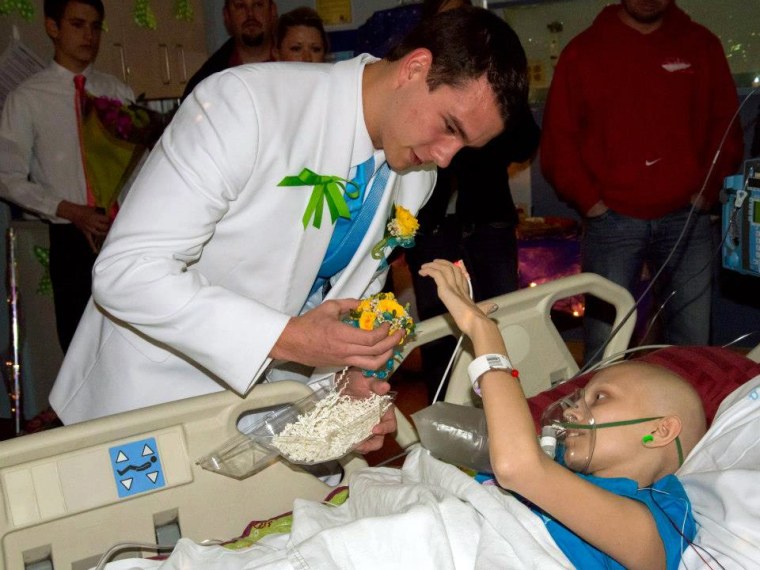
71	261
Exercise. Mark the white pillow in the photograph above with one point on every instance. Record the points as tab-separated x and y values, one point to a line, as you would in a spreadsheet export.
722	479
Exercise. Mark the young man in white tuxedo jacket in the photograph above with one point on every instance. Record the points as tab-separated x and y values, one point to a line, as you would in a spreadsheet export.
208	273
41	166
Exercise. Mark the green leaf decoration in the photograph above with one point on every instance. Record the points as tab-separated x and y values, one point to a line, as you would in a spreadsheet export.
23	7
183	10
45	286
143	15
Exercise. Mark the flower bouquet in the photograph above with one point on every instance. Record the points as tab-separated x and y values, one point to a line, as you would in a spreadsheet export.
115	136
381	308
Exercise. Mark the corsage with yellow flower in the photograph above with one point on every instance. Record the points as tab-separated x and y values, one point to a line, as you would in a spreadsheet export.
400	230
381	308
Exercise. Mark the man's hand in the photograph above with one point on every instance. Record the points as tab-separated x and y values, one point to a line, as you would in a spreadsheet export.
320	338
362	386
699	202
92	223
597	210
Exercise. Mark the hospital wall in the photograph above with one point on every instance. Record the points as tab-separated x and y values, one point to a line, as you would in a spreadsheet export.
734	21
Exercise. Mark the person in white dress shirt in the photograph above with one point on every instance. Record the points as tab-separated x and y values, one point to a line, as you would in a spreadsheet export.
40	159
212	273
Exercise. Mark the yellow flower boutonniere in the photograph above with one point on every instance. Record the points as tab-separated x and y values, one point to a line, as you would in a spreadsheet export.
400	230
376	310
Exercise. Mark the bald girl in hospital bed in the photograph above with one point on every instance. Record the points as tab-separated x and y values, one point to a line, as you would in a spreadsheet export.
611	501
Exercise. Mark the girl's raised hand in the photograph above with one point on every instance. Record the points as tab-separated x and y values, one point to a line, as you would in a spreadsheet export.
454	291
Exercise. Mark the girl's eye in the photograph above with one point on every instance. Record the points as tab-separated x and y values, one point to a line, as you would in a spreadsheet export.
595	397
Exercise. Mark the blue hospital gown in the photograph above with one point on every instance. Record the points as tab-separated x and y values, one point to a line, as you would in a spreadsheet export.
670	508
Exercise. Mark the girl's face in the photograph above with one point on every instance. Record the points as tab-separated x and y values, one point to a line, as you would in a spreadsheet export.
619	393
302	43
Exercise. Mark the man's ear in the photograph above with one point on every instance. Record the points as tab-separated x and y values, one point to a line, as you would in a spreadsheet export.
51	28
415	65
668	428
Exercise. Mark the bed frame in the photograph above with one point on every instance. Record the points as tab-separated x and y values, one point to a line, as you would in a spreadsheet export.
63	502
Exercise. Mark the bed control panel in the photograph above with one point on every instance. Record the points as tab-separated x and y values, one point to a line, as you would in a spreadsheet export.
136	467
96	476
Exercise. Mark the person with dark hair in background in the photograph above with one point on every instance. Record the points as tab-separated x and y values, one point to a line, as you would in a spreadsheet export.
385	28
41	160
432	7
639	107
301	36
250	24
224	263
471	216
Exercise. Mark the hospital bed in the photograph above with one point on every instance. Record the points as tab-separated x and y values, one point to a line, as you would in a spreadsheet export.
63	503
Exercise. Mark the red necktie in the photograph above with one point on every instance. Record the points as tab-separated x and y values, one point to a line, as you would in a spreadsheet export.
80	99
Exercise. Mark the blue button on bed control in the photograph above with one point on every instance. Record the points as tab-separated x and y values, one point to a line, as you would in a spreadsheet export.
136	467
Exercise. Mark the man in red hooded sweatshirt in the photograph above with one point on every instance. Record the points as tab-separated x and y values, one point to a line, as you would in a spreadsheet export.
638	108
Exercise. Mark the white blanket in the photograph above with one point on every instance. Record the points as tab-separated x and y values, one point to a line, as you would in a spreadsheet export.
427	515
721	476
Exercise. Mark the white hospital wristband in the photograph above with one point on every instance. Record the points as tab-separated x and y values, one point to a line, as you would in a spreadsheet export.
483	364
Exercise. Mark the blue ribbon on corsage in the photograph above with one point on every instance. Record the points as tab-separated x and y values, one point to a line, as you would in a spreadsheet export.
400	230
327	189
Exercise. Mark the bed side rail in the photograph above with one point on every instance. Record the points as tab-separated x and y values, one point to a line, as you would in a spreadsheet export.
62	499
535	346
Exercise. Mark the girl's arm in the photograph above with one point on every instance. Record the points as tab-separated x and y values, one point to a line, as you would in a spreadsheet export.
621	527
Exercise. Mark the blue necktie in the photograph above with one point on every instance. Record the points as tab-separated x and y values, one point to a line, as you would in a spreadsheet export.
348	234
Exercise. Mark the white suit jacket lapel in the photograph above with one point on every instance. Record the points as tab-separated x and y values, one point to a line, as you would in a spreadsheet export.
332	157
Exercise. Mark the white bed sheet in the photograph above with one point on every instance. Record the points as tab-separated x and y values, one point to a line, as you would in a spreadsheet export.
427	515
722	478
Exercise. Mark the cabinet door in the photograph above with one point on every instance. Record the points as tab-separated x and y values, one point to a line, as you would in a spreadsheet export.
156	63
112	57
188	47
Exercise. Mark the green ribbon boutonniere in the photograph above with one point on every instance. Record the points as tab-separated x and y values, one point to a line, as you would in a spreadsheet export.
328	189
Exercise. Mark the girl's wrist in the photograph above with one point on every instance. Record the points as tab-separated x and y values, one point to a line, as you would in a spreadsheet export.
486	338
483	327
